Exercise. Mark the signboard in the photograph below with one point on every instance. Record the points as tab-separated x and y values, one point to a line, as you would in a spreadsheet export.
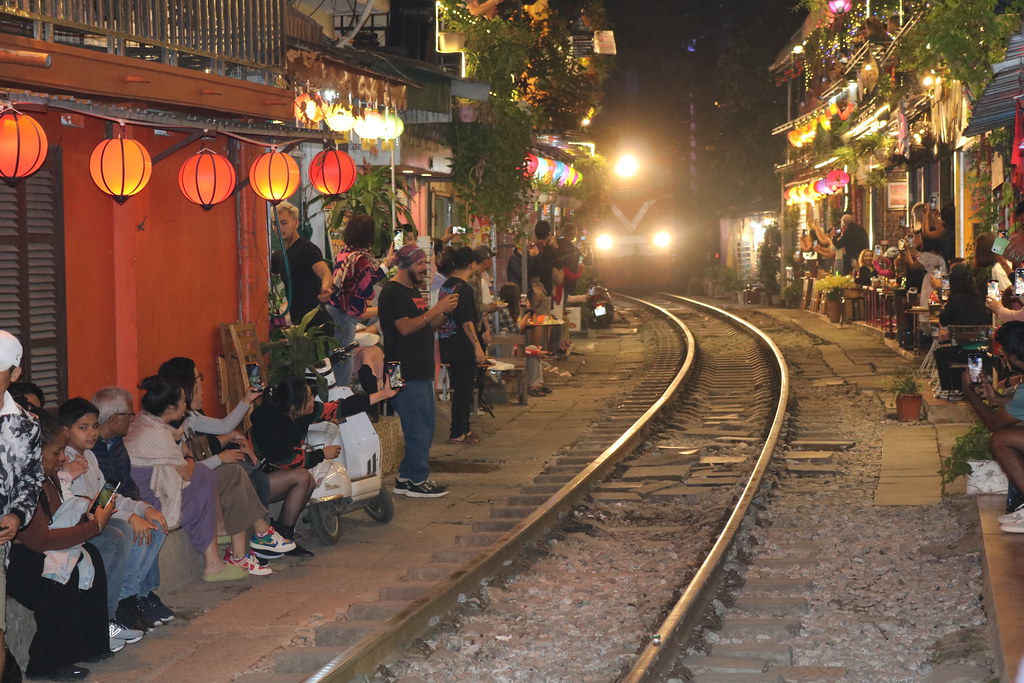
899	192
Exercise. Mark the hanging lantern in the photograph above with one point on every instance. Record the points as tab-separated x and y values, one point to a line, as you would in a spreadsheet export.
207	178
332	172
531	165
339	119
369	125
22	146
392	126
307	108
121	168
274	176
839	6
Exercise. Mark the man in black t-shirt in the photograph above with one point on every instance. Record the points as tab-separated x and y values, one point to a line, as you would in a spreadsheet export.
460	346
853	240
408	325
308	272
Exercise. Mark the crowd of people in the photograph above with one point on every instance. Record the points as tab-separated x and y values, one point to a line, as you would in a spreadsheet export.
90	491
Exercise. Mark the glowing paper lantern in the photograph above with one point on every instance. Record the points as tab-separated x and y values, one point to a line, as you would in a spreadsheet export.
839	6
121	168
332	172
339	119
847	110
531	164
306	108
369	125
392	126
274	176
207	178
22	146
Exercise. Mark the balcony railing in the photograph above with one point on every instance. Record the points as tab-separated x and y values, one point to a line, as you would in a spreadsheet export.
204	34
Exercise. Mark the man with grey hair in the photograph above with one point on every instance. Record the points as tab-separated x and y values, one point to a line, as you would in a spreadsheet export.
21	469
138	606
852	239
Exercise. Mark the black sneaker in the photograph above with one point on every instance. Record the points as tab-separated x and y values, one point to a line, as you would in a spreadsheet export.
152	607
425	489
401	486
299	551
129	613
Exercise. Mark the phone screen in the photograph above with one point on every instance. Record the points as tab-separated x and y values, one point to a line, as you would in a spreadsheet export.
902	244
399	239
878	250
458	230
993	289
394	370
1018	282
945	285
105	494
252	370
974	367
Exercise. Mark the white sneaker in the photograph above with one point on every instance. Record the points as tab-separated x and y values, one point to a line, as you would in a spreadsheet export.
249	564
1013	527
272	542
1011	517
116	644
119	631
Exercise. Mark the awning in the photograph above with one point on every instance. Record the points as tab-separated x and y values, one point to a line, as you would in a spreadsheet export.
995	108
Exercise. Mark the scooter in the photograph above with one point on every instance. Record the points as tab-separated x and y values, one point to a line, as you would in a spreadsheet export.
599	308
354	479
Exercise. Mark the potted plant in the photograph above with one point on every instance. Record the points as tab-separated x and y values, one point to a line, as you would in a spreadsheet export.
969	457
296	350
792	293
832	286
906	387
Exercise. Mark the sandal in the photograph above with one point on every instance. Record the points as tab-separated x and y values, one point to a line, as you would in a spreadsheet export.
465	440
473	437
536	391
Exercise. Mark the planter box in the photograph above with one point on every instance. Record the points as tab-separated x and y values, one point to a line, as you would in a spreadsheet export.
986	477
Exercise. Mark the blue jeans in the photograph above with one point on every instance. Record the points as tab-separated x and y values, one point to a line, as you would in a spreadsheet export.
416	411
344	333
113	545
138	569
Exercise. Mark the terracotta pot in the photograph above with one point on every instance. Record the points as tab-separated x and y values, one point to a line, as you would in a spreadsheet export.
834	308
908	407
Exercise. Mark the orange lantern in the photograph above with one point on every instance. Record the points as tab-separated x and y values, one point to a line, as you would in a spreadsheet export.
207	178
332	172
307	108
274	176
120	167
22	146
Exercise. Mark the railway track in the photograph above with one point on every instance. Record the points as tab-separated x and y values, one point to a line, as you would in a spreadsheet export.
706	417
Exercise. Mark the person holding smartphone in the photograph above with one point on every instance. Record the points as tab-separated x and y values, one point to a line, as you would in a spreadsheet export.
965	306
460	346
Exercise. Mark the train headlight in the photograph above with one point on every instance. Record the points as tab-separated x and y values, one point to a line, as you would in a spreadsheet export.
662	239
605	242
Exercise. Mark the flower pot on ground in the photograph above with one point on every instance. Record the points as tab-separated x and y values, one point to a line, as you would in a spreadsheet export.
831	287
834	309
906	387
969	457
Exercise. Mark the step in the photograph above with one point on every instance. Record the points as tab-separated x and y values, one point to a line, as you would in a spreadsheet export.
729	665
303	660
379	610
773	653
406	592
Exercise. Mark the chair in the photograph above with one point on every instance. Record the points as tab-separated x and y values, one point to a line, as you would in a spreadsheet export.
509	348
241	347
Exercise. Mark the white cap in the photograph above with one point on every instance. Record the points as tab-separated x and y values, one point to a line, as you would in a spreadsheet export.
10	351
367	338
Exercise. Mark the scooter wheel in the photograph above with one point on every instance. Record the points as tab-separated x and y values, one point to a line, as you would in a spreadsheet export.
382	509
326	522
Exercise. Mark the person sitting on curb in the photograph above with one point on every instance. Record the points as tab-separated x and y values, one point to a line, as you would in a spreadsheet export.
1004	416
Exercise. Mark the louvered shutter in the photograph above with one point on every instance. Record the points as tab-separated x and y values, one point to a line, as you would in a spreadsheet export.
32	275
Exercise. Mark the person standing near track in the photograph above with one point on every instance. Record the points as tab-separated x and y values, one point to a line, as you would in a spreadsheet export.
408	324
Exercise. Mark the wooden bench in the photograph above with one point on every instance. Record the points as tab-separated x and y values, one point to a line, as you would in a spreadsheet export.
510	349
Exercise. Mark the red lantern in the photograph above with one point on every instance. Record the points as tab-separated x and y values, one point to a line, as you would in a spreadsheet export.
121	168
332	172
274	176
531	165
307	108
22	146
206	178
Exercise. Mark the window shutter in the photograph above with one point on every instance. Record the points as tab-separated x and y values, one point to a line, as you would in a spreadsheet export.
32	275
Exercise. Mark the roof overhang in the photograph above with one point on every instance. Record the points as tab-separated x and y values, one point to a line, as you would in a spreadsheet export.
997	105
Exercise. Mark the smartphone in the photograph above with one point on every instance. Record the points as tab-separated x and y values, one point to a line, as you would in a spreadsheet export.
252	371
394	370
878	251
1018	282
458	230
902	244
1003	234
399	239
815	243
993	289
974	367
936	273
934	201
104	496
945	285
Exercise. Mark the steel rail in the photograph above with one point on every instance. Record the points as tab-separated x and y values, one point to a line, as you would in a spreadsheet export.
364	657
659	654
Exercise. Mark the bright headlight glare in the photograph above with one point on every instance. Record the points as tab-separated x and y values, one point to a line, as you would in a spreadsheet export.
662	239
605	242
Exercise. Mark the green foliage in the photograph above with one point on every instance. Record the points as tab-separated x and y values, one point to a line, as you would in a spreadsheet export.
989	207
768	261
726	276
371	195
905	381
297	349
971	445
961	37
793	291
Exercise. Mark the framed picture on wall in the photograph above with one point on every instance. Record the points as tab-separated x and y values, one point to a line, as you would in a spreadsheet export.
898	192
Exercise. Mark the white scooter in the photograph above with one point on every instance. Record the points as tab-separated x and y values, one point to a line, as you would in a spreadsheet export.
354	479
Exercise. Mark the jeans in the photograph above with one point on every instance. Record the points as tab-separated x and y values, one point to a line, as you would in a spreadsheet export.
141	559
462	374
113	545
344	333
416	411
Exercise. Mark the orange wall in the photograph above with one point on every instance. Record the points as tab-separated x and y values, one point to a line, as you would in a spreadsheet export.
154	278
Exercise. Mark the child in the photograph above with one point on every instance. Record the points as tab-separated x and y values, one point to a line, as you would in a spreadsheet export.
131	541
70	614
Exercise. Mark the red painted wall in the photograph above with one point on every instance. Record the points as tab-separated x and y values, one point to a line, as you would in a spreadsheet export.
154	278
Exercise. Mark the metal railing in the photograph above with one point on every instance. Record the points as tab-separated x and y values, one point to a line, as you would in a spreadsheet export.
249	32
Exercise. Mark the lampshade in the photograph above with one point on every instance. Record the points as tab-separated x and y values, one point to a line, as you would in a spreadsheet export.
207	178
306	108
392	126
22	146
531	164
332	172
369	125
121	168
839	6
274	176
339	118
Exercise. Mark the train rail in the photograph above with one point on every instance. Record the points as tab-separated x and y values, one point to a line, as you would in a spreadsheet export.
680	380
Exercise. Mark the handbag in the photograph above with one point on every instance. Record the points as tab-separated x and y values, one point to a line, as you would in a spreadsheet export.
198	445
